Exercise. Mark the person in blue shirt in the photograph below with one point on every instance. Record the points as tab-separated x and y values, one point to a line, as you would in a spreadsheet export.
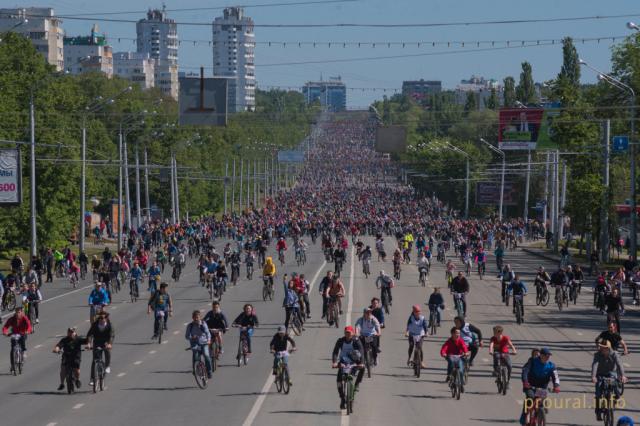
416	326
625	421
154	276
519	290
97	299
537	373
160	301
199	337
291	302
136	276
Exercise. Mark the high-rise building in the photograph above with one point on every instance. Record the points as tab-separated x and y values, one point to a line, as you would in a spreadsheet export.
481	87
135	67
88	53
41	26
421	89
157	36
233	56
331	94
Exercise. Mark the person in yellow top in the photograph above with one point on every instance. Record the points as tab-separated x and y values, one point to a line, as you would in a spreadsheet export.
269	270
408	240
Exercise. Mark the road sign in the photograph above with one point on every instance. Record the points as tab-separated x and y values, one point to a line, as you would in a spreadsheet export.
10	177
620	143
203	101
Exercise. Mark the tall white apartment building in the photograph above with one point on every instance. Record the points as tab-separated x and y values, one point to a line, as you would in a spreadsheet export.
41	26
88	53
136	67
233	56
157	35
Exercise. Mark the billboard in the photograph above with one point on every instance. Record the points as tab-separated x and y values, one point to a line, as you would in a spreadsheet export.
10	177
391	139
291	156
488	194
519	128
203	101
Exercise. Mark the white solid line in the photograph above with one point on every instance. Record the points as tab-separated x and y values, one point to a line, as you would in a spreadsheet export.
344	420
256	405
54	298
113	308
121	374
77	406
137	363
267	385
485	359
152	352
52	424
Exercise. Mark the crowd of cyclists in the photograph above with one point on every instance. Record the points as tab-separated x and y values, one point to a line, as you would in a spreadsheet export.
345	195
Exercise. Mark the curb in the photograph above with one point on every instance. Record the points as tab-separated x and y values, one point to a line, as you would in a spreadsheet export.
544	256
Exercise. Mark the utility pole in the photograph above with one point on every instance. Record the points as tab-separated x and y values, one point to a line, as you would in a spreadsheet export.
546	194
233	188
226	183
564	198
255	184
146	185
604	211
120	189
127	201
241	193
526	189
634	214
173	194
175	166
138	202
32	146
552	204
556	236
83	177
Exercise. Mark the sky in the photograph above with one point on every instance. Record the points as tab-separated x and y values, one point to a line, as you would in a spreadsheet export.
382	73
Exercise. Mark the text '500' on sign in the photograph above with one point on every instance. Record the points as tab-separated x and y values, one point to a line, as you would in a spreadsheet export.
10	177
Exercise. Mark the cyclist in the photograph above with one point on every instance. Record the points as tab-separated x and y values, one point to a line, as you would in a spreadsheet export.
436	301
269	270
560	281
460	285
154	276
281	247
335	292
368	326
302	287
279	345
423	264
600	290
612	335
541	280
347	351
291	303
249	260
339	257
322	288
71	347
248	319
537	374
101	335
606	364
33	297
471	335
135	275
508	275
614	306
160	300
385	283
18	324
417	325
453	350
216	320
98	299
199	338
378	313
481	259
519	289
499	347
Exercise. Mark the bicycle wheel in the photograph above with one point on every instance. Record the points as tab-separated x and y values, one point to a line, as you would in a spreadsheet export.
279	380
11	301
70	382
518	314
265	293
336	315
458	384
452	384
544	301
285	380
271	292
368	361
295	325
101	377
95	377
433	326
350	396
608	416
504	379
200	373
417	363
160	330
214	355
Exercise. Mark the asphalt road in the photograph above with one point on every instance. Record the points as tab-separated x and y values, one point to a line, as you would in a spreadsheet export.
151	383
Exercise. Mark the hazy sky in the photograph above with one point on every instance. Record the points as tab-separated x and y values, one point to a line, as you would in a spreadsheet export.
387	73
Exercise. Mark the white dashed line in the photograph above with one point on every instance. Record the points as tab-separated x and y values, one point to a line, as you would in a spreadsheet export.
164	342
78	406
580	333
121	374
137	363
176	332
52	424
37	346
485	359
113	308
185	324
152	352
86	320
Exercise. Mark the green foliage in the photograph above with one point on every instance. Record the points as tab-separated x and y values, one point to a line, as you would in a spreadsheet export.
509	93
471	104
493	102
526	90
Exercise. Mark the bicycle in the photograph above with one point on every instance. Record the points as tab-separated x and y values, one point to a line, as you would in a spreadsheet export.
457	297
16	355
83	271
422	280
456	380
159	318
366	270
536	414
134	290
267	288
218	288
235	273
573	292
214	348
9	300
384	298
482	269
608	398
296	323
542	293
333	313
561	297
70	380
369	357
95	310
502	376
396	270
29	311
433	320
416	356
243	346
98	369
301	257
73	279
348	385
338	267
199	368
282	380
518	307
281	257
249	271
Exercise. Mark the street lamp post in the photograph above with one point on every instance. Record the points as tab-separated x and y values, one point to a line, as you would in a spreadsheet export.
501	152
632	148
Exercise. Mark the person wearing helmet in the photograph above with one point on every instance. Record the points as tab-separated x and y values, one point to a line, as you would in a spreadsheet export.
417	325
347	351
625	421
606	364
279	348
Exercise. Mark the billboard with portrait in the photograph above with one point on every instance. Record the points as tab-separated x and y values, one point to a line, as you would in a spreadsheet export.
519	128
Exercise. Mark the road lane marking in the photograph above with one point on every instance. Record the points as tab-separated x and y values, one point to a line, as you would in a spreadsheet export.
164	342
52	424
626	364
344	420
113	308
137	363
267	385
176	332
78	406
121	374
485	359
580	333
55	297
152	352
37	346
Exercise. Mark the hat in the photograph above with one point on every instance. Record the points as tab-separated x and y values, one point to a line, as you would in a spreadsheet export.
348	329
282	329
417	308
604	344
545	351
367	309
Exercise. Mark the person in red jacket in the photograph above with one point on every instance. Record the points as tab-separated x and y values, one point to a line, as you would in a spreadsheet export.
453	350
18	324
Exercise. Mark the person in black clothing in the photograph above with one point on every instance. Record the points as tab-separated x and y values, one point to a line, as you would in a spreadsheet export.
339	257
279	343
629	266
49	262
467	331
613	303
249	320
37	266
324	284
71	347
460	285
378	313
216	320
612	335
101	335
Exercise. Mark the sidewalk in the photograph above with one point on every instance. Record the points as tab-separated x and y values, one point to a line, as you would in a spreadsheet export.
547	254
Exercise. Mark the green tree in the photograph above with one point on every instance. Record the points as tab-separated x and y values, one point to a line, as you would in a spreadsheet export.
526	90
492	102
566	87
509	94
471	103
